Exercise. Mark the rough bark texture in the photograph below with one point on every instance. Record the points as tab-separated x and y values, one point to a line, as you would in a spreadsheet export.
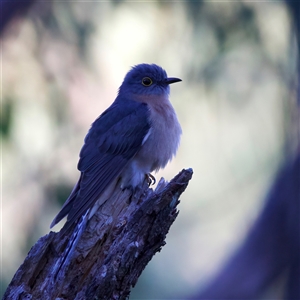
101	258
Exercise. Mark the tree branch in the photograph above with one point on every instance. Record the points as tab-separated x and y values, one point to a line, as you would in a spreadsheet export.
102	258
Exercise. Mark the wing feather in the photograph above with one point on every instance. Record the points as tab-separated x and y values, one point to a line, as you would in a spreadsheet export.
113	139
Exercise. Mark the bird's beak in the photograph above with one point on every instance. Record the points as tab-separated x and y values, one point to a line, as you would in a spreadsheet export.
171	80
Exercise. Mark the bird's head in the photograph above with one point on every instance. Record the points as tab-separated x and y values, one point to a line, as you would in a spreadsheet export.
146	79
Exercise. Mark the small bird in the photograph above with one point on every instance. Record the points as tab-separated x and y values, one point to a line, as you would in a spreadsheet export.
138	134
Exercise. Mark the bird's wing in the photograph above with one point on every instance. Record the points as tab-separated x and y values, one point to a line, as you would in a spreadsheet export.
113	139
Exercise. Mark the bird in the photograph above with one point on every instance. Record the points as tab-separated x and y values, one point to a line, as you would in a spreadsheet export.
138	134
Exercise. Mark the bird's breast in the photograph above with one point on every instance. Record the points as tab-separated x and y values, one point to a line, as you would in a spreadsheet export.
163	138
159	145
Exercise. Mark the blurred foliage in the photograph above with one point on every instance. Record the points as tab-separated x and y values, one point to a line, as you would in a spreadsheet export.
62	65
6	118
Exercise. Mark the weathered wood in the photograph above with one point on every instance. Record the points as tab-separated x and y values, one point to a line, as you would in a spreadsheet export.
103	257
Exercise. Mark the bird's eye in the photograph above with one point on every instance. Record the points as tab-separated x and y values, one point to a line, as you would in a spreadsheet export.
146	81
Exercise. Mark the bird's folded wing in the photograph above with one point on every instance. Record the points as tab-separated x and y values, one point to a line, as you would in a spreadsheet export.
113	140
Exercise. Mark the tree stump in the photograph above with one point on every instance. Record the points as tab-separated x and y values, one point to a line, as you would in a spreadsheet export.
101	258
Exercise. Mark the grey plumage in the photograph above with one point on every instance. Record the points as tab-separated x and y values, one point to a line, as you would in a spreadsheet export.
137	134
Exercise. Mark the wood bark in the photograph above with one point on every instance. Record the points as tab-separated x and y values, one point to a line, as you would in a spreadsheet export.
102	258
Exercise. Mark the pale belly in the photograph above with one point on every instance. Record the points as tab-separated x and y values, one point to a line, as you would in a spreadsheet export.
158	149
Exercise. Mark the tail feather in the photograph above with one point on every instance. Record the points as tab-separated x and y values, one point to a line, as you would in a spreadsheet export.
67	205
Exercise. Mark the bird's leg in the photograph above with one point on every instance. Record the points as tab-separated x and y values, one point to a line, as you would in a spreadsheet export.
150	179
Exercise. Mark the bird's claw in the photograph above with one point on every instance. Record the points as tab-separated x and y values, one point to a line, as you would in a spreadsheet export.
150	179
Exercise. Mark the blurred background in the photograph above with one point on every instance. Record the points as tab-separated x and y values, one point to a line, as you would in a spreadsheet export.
61	66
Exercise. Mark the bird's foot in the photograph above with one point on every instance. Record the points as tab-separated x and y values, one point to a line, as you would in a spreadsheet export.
150	179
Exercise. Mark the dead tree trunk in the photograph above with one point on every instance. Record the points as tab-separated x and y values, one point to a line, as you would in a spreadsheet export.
101	258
